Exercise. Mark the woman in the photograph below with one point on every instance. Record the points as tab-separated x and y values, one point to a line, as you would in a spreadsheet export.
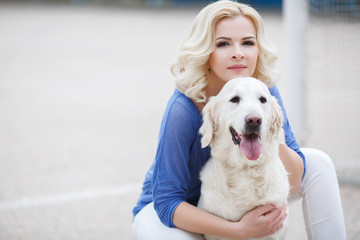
226	41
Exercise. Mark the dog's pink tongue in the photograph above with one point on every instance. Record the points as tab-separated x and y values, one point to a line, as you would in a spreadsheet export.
251	147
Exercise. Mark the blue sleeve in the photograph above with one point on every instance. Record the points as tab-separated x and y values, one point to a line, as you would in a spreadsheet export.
289	135
171	176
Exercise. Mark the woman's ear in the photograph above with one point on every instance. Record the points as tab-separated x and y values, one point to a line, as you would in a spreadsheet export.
276	117
208	127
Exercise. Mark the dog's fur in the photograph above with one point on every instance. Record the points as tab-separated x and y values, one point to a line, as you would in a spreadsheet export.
231	183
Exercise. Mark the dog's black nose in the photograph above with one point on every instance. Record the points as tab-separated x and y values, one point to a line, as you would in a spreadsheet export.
253	120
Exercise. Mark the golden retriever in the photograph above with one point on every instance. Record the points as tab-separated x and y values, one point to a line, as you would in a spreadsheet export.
243	126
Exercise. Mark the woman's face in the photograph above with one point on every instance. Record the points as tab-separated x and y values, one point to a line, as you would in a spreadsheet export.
236	50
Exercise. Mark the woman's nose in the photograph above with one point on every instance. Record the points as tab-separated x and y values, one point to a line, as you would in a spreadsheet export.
238	53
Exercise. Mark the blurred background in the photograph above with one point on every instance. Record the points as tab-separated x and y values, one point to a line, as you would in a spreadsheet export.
83	85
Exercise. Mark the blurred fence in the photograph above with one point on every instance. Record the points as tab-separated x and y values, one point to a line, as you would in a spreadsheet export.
155	3
333	84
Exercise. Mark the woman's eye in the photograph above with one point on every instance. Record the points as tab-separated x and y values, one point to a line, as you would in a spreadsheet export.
235	99
263	99
222	44
249	43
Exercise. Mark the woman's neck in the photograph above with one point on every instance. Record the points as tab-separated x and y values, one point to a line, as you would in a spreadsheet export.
199	105
213	86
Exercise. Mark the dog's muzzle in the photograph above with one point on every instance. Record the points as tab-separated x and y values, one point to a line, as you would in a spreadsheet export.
252	125
249	142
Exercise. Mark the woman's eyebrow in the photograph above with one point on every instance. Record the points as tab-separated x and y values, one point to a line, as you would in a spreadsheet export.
223	38
227	38
250	37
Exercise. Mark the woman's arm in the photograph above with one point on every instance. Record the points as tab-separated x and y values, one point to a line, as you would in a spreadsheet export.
259	222
294	166
290	153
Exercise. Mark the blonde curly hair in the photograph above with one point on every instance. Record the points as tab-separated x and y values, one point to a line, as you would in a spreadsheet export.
190	67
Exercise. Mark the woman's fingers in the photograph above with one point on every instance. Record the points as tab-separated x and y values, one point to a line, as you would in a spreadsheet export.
276	217
264	209
264	220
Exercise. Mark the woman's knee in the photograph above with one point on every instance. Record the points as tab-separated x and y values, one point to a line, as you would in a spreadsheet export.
320	172
147	225
317	159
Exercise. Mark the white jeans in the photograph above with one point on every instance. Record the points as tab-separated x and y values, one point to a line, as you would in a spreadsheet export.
322	207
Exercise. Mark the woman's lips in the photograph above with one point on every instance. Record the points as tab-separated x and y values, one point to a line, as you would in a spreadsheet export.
237	67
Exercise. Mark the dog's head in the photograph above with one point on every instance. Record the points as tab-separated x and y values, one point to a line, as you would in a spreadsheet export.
243	114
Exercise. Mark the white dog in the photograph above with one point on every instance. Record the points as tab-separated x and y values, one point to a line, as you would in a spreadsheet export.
243	126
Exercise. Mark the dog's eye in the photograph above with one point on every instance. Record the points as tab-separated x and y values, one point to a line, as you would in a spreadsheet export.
263	99
235	99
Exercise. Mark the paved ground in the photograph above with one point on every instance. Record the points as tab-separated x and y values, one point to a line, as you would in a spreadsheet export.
82	90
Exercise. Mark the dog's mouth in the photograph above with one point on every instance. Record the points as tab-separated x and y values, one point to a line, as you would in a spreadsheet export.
249	143
235	136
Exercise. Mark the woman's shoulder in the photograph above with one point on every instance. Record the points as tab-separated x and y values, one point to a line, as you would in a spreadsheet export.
181	113
180	105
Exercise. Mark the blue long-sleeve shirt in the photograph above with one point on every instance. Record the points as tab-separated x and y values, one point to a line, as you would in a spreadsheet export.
174	175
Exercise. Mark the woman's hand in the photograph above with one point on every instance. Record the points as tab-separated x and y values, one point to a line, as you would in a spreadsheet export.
262	221
259	222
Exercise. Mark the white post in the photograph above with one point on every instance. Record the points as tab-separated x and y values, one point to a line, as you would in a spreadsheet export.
295	18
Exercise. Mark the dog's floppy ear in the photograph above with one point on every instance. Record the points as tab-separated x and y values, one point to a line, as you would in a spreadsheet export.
276	117
209	125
